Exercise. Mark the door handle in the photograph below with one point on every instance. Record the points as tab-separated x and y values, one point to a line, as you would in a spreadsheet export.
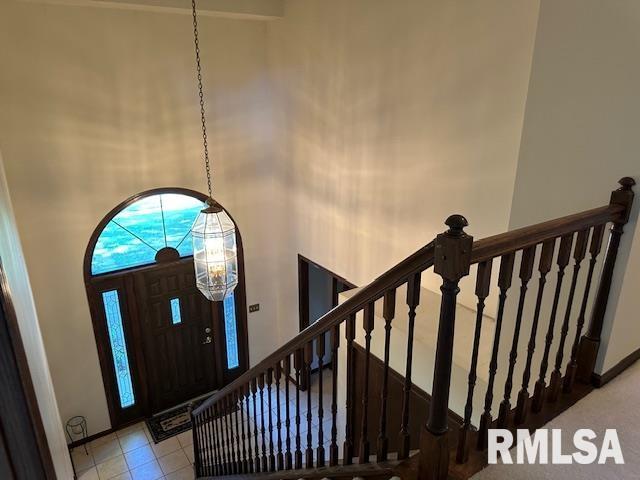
207	340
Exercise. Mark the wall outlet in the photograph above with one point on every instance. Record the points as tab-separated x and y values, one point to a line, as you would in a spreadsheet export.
254	308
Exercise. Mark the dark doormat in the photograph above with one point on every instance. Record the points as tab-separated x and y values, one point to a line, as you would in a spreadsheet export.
170	423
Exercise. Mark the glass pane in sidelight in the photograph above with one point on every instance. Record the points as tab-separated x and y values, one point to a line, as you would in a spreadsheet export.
231	332
118	345
176	317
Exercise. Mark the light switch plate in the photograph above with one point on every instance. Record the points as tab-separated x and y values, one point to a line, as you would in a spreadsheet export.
254	308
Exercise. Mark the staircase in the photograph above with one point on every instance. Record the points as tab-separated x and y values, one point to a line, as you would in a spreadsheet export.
358	417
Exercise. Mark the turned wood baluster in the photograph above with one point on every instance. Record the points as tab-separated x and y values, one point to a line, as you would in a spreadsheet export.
335	343
239	458
218	421
256	428
272	457
544	266
250	458
233	415
562	261
594	251
288	459
215	452
208	464
526	270
224	448
203	442
368	324
197	444
229	434
308	356
483	283
263	431
320	344
452	259
214	442
228	422
239	407
579	251
212	419
215	425
350	335
280	456
504	283
388	314
590	342
298	366
413	299
229	419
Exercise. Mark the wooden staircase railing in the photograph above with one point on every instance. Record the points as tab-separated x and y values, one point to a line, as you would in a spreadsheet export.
264	422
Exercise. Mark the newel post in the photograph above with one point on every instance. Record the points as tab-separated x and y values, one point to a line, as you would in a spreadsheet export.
196	444
452	258
590	342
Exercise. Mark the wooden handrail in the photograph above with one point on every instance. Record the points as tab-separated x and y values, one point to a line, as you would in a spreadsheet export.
422	259
514	240
392	278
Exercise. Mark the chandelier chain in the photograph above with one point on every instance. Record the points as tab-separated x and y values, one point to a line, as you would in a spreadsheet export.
205	143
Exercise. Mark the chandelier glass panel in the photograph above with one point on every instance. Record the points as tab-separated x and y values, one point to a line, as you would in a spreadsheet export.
215	253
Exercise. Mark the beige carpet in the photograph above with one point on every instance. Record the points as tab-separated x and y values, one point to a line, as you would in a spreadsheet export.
616	405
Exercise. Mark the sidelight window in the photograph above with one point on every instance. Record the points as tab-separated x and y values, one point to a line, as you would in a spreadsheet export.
231	331
118	345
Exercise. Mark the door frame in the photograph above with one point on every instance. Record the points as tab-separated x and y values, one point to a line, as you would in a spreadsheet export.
303	298
124	281
303	288
29	453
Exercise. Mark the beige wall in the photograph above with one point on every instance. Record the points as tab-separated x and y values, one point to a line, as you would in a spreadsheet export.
15	269
393	116
580	135
100	104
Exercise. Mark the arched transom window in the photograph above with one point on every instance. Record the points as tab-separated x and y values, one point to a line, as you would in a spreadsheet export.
135	235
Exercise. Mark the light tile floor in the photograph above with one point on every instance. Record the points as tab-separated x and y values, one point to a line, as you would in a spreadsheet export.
130	454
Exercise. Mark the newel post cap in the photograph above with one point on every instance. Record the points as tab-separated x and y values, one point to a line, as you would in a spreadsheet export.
624	196
626	183
456	223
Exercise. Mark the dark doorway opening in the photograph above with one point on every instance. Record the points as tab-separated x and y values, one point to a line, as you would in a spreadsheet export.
318	290
24	452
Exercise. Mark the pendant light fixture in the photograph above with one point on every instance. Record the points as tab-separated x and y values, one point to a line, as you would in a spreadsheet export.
213	232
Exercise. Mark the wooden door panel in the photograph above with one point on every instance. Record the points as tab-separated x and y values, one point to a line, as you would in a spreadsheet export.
180	366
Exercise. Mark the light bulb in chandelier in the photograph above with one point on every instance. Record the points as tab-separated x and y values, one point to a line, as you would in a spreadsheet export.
215	253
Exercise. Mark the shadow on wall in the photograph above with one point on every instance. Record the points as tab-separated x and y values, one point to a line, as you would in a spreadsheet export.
393	118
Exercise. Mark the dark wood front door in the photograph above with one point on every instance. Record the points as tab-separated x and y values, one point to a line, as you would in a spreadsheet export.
178	326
